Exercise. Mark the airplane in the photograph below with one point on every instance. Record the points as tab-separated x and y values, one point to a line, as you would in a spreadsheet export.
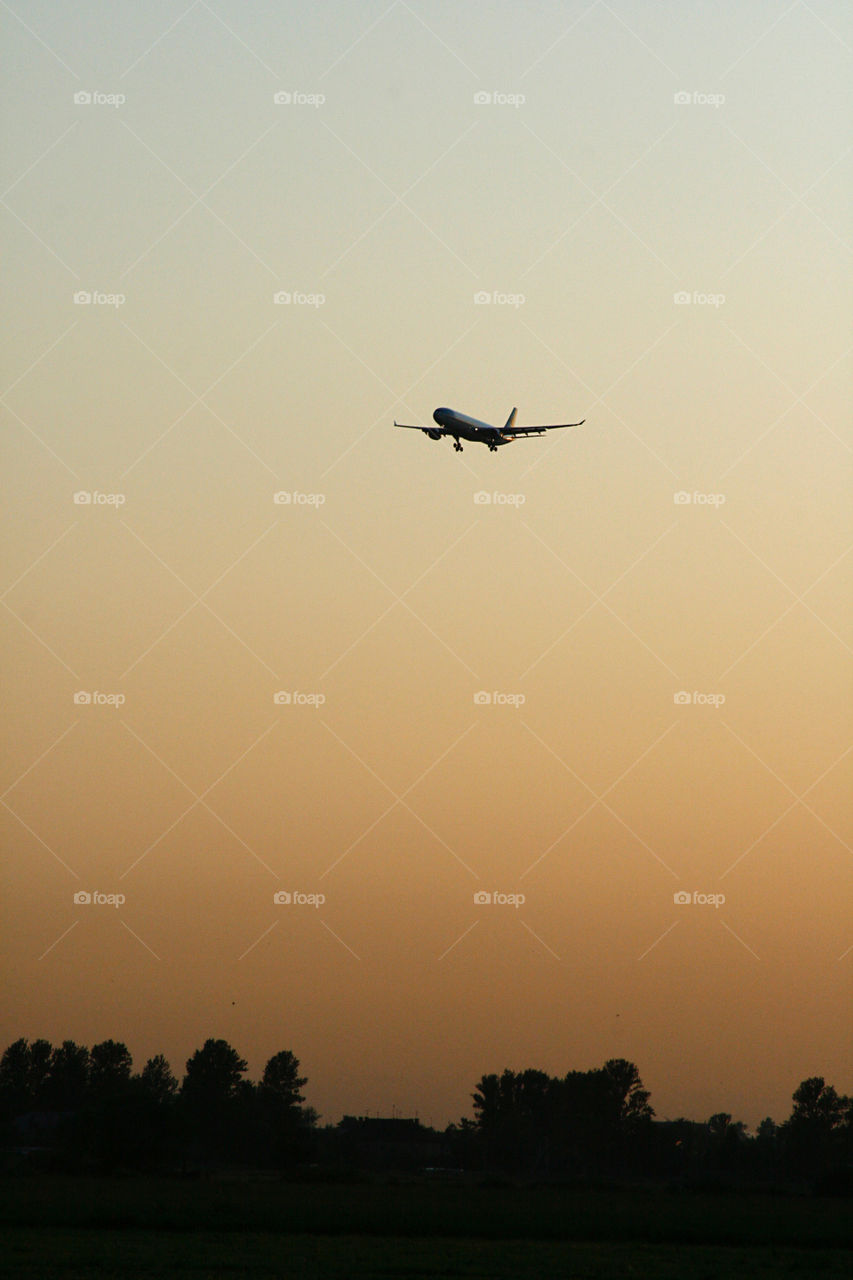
461	427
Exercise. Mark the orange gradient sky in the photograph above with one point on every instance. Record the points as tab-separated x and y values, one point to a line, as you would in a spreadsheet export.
692	538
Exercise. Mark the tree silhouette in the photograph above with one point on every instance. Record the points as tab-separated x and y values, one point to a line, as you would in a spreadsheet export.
105	1128
513	1111
279	1102
109	1068
210	1094
817	1106
282	1081
630	1098
818	1129
726	1142
767	1130
214	1074
585	1121
71	1108
157	1082
68	1077
765	1148
24	1069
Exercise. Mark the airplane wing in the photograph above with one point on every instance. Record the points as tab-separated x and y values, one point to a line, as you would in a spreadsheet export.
540	431
411	426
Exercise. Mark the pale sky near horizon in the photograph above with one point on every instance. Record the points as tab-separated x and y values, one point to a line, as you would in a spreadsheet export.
632	213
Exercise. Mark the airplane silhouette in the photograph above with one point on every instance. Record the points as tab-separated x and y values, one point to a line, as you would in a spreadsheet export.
461	427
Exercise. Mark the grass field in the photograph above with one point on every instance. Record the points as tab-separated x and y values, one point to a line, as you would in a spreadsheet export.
83	1228
86	1253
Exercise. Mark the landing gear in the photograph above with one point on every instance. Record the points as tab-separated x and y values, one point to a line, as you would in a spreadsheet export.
457	446
493	448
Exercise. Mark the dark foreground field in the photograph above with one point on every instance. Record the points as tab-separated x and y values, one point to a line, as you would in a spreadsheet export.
86	1228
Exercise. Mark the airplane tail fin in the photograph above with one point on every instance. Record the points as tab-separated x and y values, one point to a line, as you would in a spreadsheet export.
510	420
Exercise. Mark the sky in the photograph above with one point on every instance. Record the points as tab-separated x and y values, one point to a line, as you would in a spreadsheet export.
321	736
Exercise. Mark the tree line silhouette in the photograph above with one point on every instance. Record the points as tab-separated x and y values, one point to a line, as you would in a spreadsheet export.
86	1107
67	1107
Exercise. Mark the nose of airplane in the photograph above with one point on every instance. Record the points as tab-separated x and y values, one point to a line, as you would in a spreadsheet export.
440	415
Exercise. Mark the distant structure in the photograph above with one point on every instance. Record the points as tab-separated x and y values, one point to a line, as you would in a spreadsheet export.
391	1142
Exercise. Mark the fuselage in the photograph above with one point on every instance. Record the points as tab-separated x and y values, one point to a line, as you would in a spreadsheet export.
463	427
